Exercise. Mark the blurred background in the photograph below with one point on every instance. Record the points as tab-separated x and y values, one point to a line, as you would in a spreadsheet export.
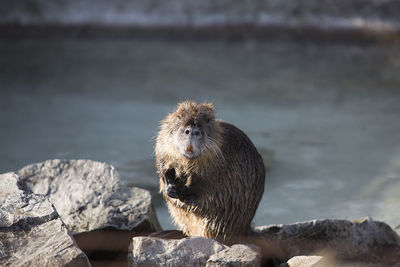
314	84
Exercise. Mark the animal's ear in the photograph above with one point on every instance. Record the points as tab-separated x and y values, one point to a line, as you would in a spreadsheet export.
209	106
208	110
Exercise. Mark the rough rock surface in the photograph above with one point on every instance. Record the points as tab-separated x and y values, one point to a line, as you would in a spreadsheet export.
305	261
237	255
192	251
145	251
365	240
88	195
343	243
31	232
322	261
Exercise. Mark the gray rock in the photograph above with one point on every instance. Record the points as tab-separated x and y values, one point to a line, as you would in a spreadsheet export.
306	261
193	251
364	240
348	243
21	208
88	195
322	261
31	232
237	255
343	243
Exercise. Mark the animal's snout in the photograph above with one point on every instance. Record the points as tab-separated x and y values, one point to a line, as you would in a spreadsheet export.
192	130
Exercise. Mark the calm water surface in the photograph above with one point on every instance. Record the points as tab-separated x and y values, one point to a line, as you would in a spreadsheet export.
325	117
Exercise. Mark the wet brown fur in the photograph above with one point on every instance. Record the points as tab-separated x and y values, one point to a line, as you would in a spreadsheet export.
226	181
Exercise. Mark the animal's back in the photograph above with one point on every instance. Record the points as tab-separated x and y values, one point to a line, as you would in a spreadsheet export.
241	179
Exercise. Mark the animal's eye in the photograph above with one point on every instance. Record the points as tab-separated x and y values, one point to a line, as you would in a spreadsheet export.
179	117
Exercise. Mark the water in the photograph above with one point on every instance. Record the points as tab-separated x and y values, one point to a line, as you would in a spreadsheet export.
325	117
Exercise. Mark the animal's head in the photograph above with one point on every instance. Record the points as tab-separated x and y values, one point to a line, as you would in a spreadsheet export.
192	129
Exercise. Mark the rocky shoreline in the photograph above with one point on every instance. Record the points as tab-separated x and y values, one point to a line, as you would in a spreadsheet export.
78	213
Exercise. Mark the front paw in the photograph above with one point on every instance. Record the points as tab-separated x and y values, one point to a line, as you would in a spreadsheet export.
175	186
174	191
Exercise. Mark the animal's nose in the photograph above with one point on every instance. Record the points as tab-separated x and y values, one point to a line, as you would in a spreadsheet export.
192	131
